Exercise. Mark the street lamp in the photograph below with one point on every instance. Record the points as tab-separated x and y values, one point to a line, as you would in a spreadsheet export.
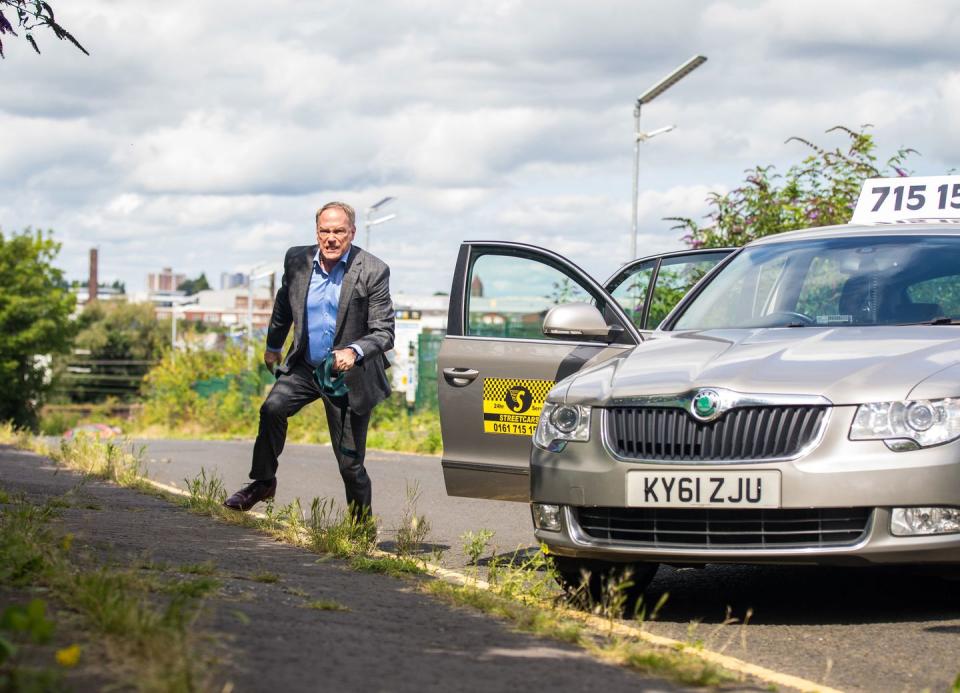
640	136
368	222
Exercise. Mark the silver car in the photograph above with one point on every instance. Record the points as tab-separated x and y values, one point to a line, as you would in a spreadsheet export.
801	404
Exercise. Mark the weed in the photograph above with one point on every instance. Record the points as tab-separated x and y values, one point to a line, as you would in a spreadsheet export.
326	605
529	618
101	459
194	589
397	566
205	568
332	530
205	492
956	685
413	528
150	640
21	626
265	577
287	522
4	497
475	545
528	576
17	437
150	564
689	670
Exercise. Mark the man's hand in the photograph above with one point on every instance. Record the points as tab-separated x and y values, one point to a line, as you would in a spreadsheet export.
271	359
343	359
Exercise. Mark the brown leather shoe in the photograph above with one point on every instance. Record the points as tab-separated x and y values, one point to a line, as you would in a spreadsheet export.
251	494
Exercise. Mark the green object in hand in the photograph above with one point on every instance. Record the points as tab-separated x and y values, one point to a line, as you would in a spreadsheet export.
332	383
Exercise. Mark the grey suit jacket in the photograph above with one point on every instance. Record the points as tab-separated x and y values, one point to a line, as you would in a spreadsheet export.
365	317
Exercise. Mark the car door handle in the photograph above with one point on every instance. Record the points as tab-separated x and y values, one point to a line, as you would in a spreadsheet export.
460	377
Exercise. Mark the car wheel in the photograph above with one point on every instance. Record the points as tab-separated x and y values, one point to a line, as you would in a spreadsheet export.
593	583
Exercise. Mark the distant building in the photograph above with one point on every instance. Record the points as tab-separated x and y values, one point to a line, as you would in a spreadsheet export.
226	307
104	293
166	280
231	280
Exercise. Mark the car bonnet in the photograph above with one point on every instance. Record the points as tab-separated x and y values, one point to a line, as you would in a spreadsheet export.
847	365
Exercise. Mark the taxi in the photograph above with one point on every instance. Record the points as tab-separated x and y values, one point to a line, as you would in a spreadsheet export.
799	404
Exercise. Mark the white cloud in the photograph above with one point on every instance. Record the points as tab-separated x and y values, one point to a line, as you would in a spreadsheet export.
204	135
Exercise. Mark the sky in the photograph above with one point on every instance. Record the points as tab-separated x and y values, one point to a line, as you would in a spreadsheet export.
203	136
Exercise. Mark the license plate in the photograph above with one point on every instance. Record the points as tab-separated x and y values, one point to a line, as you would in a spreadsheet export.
717	489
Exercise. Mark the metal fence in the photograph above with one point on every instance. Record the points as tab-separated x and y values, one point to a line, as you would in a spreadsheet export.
93	380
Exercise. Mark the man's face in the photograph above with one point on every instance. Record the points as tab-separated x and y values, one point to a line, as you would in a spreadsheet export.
334	234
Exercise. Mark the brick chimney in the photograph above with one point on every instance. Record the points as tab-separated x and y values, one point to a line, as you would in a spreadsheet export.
93	283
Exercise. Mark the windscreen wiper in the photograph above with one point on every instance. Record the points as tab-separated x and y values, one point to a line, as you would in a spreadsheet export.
939	321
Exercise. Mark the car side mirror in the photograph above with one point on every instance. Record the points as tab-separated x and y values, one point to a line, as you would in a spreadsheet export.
578	320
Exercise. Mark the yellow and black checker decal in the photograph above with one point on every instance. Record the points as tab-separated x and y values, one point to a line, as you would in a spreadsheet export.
512	405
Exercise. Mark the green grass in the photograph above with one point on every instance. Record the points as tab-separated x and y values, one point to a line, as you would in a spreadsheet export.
265	577
397	566
325	605
205	568
525	617
522	591
147	632
194	589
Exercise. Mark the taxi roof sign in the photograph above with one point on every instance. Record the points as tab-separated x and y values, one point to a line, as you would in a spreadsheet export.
920	199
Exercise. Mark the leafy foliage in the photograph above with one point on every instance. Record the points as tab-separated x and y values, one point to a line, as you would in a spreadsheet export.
121	331
192	286
34	321
176	402
33	14
820	191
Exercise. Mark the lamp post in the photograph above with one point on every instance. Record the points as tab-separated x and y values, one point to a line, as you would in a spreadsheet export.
372	209
640	136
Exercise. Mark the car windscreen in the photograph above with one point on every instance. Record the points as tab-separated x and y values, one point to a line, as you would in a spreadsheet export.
835	282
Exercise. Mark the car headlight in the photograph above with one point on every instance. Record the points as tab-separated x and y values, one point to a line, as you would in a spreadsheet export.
926	422
560	423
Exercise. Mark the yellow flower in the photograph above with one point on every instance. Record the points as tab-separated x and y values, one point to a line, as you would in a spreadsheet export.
67	542
69	656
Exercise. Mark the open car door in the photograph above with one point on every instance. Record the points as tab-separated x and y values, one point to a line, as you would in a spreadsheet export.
497	366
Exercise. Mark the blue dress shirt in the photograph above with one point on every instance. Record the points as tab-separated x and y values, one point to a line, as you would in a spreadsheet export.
323	302
322	306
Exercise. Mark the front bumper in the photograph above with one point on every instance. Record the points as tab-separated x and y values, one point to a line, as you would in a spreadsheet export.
838	473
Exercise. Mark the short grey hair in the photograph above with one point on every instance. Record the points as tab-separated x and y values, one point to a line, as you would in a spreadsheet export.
343	207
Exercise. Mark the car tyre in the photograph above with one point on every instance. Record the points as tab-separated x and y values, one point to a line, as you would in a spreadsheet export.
592	583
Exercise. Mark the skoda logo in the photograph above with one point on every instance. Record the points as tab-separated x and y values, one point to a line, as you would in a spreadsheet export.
706	405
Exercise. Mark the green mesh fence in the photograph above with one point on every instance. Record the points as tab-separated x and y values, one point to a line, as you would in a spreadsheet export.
248	383
428	349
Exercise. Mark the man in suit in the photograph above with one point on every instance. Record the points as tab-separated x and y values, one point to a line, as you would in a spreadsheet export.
337	297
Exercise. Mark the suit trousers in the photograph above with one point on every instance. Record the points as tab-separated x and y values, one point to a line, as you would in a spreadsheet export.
348	432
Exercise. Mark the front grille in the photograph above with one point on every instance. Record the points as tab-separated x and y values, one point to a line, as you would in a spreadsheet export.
744	433
711	528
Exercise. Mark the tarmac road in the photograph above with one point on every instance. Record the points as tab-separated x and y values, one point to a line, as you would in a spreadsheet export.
855	629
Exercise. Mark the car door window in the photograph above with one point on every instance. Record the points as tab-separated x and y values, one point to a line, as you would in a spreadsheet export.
941	295
631	289
675	277
510	296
